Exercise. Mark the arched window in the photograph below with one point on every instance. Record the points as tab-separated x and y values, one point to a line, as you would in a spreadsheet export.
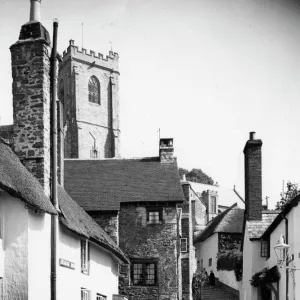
94	90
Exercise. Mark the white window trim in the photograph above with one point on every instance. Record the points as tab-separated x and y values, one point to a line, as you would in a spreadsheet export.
85	294
183	240
100	297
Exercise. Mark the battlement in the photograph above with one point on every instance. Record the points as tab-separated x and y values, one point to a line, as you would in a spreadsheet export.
110	61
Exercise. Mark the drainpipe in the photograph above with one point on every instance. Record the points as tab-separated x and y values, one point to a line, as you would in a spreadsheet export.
113	154
287	263
54	218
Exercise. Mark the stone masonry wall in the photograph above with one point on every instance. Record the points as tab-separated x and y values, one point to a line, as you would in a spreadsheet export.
31	107
140	240
187	232
108	221
92	119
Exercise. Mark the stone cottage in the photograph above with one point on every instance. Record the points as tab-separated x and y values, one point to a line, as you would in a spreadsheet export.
140	204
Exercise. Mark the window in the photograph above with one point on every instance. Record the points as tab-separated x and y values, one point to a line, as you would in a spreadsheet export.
183	244
144	272
94	90
85	256
85	294
154	215
265	248
210	262
201	265
101	297
213	204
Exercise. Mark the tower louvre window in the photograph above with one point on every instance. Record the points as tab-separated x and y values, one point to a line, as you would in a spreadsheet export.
94	90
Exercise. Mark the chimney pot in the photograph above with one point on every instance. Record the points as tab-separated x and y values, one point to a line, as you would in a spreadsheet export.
35	11
252	135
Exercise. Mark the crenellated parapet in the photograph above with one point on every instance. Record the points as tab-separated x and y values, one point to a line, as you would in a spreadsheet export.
109	62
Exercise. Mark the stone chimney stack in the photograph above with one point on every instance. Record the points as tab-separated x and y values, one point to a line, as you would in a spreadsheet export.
253	178
30	57
166	151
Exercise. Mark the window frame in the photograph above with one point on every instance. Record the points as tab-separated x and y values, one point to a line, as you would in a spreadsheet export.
85	294
213	204
155	209
144	263
265	248
85	256
182	242
100	297
94	90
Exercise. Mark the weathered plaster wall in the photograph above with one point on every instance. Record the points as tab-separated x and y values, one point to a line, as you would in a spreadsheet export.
15	241
150	241
103	275
252	263
228	278
272	261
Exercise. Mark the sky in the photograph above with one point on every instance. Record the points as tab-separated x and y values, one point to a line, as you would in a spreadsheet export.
205	72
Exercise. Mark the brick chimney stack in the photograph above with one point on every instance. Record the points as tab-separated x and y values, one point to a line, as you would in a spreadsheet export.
166	151
253	178
30	57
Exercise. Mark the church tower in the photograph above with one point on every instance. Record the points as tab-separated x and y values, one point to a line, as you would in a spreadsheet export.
89	93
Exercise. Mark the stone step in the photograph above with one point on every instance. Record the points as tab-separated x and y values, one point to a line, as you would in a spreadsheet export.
217	293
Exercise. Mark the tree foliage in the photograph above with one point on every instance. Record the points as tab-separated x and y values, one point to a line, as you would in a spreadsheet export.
289	195
231	260
196	175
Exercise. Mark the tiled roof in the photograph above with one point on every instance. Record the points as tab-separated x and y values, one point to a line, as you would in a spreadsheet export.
76	219
229	221
104	184
226	197
257	228
18	182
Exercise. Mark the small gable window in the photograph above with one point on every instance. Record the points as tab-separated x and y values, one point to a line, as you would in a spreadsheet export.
154	215
94	90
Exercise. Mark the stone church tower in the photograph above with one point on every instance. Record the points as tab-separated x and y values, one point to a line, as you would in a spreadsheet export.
88	87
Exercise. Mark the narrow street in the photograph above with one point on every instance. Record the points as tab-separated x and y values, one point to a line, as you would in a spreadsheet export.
217	293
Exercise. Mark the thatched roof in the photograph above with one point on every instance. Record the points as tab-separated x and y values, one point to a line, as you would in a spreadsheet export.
16	180
229	221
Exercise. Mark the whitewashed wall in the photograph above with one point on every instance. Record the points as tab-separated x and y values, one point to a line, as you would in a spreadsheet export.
206	250
103	275
26	248
252	263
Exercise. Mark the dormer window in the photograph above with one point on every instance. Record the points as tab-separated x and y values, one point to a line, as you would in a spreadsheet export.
94	90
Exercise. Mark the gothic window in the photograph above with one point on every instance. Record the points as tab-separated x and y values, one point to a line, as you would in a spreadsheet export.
94	90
